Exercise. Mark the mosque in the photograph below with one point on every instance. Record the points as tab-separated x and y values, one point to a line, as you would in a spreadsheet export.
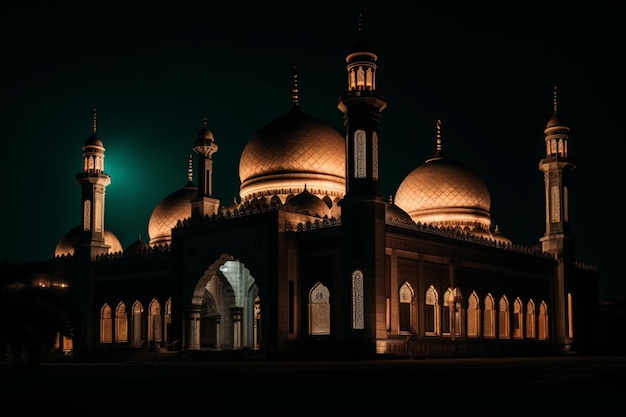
312	260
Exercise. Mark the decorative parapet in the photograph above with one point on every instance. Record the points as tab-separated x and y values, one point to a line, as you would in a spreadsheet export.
586	267
455	233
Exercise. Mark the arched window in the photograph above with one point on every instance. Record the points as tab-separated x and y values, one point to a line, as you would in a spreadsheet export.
489	321
543	321
155	324
406	295
121	324
503	318
106	324
518	319
319	309
530	320
473	315
137	324
431	312
358	319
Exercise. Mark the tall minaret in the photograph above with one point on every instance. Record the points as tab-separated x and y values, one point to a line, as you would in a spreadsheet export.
205	147
363	207
93	181
557	240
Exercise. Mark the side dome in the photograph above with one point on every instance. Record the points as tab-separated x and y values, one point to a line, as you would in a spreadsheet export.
138	246
307	203
290	151
65	246
176	206
394	214
445	192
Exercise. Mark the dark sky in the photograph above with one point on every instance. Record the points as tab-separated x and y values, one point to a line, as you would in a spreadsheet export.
152	70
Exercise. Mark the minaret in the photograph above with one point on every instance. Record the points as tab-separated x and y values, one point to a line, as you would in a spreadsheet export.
363	207
205	147
557	240
93	181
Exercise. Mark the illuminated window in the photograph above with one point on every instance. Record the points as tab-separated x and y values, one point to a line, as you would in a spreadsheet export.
431	312
358	321
473	315
503	318
406	295
155	328
543	321
98	216
87	215
570	313
121	324
106	325
137	325
555	215
489	321
360	78
167	320
359	154
530	320
319	309
518	319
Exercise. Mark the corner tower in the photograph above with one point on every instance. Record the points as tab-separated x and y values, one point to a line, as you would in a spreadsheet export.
93	182
557	166
205	147
363	208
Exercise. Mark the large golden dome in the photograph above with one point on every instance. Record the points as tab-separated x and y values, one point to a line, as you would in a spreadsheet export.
174	207
65	246
291	152
445	192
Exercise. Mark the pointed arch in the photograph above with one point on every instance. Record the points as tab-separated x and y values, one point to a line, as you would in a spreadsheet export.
431	312
518	319
542	328
473	315
531	331
106	324
121	323
504	325
319	309
406	308
489	317
138	330
167	322
155	324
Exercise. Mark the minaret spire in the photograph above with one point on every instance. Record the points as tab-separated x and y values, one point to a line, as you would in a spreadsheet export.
438	150
205	147
294	88
93	182
190	170
557	240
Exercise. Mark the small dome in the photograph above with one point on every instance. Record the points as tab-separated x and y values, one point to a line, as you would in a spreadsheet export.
556	121
307	203
67	242
165	216
138	246
93	141
394	213
445	192
290	151
497	235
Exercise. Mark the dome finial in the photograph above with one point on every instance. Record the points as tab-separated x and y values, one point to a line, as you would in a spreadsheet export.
204	122
555	100
94	120
190	169
360	22
438	136
294	88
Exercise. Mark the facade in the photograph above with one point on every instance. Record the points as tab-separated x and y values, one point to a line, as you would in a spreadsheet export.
314	261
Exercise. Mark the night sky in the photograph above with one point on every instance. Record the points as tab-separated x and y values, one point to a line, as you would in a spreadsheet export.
153	70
